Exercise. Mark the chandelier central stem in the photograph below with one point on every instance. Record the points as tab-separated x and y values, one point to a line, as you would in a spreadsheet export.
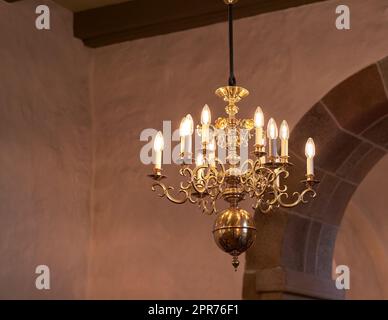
232	79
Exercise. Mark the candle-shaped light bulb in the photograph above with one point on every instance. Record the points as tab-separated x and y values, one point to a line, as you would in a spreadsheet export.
184	128
310	148
212	145
310	153
272	129
158	148
259	118
206	115
159	142
190	123
205	120
182	133
199	160
284	134
259	125
185	132
272	133
188	137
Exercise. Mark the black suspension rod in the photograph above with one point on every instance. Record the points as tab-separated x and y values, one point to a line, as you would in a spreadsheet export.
232	79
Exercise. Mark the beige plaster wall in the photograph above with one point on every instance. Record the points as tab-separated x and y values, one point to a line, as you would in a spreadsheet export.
144	247
45	157
130	244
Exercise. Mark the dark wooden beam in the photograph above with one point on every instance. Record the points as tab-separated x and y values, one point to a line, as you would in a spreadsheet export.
146	18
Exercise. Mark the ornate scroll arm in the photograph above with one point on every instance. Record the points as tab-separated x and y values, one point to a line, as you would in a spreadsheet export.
301	197
165	192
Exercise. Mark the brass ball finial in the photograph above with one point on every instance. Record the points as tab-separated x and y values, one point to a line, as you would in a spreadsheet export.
234	232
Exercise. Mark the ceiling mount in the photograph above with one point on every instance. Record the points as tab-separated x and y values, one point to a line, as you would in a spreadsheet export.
230	1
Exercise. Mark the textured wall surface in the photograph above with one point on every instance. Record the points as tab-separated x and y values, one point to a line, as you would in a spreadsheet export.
363	237
288	60
106	235
45	154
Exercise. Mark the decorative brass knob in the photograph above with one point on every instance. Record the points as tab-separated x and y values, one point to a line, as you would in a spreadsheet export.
234	232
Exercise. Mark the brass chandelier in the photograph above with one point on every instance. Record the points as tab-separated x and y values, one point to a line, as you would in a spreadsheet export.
209	179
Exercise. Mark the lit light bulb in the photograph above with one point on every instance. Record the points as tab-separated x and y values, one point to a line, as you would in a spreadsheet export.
259	118
272	133
159	142
200	160
184	128
284	131
205	116
212	145
272	129
310	148
190	123
205	120
310	153
259	124
158	148
284	135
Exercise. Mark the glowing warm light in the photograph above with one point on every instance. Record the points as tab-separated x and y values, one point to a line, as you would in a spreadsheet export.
190	123
284	131
159	142
205	116
200	160
310	148
272	129
186	126
212	145
183	127
259	118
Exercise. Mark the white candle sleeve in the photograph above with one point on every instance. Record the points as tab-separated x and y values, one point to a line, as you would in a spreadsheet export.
259	136
284	148
205	133
188	145
273	148
183	145
158	160
310	166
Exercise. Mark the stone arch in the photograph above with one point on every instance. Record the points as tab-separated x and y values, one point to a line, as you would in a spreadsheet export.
294	250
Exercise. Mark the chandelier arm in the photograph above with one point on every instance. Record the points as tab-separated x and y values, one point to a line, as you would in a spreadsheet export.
211	202
203	204
165	192
263	206
300	198
281	172
188	173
